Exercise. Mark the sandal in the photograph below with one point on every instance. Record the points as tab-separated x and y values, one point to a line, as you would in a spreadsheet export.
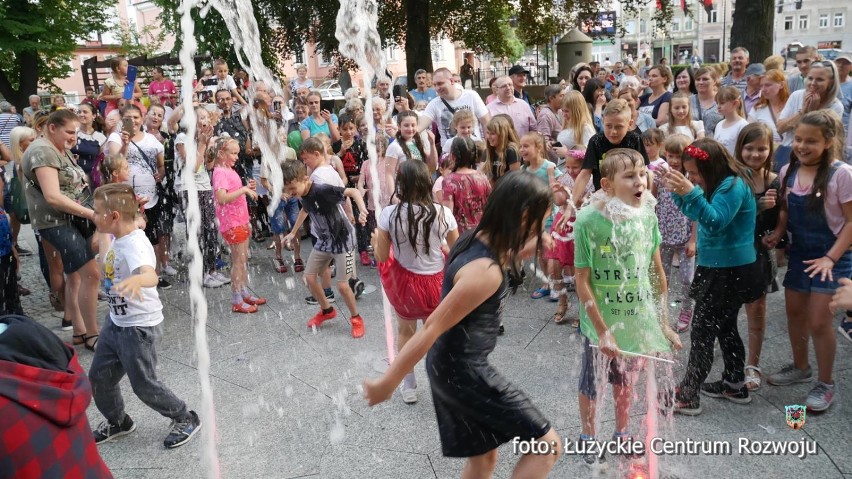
78	339
559	317
575	323
91	347
540	293
298	266
243	308
752	378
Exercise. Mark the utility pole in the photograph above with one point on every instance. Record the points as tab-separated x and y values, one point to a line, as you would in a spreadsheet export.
724	29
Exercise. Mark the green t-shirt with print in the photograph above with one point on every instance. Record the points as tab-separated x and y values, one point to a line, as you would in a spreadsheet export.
620	256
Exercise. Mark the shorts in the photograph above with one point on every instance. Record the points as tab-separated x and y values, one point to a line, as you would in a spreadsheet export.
318	261
152	223
620	371
7	196
237	234
728	287
284	217
797	280
413	296
74	249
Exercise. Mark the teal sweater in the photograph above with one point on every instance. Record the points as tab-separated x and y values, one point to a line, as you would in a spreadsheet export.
725	223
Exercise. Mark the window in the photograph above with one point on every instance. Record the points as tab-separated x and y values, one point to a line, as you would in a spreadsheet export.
630	28
299	57
643	26
323	58
823	20
676	25
437	51
838	20
687	24
803	22
392	53
788	23
714	16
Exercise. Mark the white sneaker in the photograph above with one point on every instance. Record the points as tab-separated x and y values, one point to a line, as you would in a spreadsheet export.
211	282
218	276
168	270
409	395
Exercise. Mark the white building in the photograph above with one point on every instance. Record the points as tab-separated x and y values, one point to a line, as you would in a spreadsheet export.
819	23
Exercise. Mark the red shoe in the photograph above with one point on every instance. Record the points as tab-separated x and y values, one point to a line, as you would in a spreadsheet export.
298	266
254	300
365	259
357	326
243	308
320	318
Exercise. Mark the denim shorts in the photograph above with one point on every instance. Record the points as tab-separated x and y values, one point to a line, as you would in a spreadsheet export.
797	280
74	249
285	216
620	371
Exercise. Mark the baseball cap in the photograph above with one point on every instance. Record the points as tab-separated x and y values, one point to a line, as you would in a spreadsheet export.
518	69
755	69
844	56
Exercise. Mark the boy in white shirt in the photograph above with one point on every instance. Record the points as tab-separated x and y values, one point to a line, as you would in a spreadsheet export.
135	324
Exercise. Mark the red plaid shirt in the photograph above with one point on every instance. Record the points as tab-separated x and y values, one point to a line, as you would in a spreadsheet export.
44	431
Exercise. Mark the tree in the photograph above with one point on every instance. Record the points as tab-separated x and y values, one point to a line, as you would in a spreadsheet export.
38	38
135	43
753	28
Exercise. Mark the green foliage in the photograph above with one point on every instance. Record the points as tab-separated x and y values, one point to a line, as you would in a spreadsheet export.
37	39
134	43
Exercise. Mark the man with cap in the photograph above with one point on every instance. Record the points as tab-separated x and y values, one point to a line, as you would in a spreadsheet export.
753	75
844	65
519	81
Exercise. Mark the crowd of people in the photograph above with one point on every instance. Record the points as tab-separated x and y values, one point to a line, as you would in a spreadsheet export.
619	186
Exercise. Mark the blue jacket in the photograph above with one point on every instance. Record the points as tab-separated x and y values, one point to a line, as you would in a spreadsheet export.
725	223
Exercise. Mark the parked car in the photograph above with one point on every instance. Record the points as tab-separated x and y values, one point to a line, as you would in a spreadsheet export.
330	90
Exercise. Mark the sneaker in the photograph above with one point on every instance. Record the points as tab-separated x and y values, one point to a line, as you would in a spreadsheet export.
365	259
280	266
373	264
298	266
592	460
409	395
102	296
845	329
163	284
211	282
218	276
329	295
66	325
678	405
168	270
182	431
23	251
820	397
321	317
357	326
243	308
719	389
789	374
107	431
254	300
684	320
333	271
357	287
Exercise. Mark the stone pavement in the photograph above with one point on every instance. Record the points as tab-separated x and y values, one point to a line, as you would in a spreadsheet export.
288	403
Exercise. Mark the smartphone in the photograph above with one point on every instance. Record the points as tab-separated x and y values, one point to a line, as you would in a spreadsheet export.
557	145
131	82
276	106
127	124
397	91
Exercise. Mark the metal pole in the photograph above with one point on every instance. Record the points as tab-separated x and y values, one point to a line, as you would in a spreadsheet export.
724	29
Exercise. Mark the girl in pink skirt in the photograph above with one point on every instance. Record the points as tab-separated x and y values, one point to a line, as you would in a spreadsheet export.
408	245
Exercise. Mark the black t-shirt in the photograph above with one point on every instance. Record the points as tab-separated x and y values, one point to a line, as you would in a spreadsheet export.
599	145
510	157
352	158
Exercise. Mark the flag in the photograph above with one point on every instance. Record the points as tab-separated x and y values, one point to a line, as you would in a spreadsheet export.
708	6
683	5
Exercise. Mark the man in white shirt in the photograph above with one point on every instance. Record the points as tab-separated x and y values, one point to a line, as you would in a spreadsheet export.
450	100
506	102
737	76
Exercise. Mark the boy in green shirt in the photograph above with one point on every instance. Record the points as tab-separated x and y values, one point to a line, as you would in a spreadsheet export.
617	259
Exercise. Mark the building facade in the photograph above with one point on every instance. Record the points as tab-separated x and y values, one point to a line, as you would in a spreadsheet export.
819	23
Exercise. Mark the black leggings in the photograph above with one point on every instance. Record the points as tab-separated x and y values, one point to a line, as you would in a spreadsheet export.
209	235
10	302
713	321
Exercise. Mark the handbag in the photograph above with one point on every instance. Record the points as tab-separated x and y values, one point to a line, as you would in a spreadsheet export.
83	225
19	201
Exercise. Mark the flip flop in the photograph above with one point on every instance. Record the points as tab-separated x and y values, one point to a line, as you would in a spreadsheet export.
559	316
540	293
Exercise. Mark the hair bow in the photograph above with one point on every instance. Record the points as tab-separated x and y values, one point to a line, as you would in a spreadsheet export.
697	153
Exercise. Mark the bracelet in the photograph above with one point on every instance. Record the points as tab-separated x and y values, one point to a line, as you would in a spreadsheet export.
833	261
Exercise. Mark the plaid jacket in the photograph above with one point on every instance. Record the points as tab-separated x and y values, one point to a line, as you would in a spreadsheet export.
44	432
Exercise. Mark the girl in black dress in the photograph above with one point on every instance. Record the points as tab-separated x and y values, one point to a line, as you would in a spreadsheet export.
476	407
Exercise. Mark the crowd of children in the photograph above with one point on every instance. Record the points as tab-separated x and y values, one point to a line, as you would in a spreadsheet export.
630	218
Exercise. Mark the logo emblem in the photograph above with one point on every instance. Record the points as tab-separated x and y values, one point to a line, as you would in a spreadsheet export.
795	415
